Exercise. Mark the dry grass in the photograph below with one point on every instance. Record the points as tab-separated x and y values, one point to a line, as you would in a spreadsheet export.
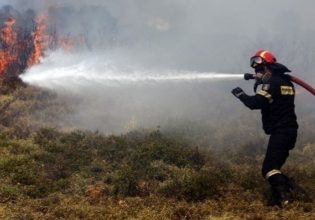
49	174
60	206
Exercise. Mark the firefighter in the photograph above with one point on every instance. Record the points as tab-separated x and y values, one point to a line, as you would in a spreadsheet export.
275	99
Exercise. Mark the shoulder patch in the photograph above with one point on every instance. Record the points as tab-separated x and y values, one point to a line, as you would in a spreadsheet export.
287	90
266	87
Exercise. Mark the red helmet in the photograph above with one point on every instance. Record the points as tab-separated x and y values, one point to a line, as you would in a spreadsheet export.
262	56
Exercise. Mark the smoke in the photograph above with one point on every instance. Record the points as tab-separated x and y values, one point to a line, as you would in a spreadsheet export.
116	98
202	36
147	38
209	35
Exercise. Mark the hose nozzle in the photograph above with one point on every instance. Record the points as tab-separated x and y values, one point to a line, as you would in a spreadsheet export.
248	76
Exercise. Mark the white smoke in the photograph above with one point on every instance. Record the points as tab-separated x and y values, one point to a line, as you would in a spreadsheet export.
114	96
161	44
217	35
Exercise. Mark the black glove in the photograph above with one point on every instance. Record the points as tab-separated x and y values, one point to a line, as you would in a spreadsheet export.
237	92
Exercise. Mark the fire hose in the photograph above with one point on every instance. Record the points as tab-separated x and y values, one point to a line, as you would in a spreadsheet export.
308	87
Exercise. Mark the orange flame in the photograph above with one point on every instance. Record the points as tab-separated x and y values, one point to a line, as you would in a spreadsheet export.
8	35
18	52
8	38
40	41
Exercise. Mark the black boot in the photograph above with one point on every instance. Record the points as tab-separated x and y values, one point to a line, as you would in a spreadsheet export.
281	196
280	190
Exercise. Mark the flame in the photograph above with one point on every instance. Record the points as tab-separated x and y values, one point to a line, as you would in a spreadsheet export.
8	38
20	50
8	35
21	53
40	41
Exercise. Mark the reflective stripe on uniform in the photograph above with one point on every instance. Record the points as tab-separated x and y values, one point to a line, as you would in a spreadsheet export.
287	90
266	95
271	173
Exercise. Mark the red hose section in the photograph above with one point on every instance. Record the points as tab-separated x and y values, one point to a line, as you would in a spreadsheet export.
303	84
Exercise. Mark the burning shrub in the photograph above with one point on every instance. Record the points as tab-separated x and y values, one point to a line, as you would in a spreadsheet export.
21	40
24	37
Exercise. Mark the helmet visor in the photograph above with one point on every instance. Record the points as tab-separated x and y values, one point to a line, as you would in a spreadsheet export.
255	61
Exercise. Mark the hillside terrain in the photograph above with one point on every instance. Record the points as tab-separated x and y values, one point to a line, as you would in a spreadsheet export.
47	172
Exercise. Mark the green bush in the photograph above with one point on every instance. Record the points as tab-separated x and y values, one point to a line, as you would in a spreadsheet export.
65	153
9	192
26	174
125	182
251	180
191	185
155	147
12	164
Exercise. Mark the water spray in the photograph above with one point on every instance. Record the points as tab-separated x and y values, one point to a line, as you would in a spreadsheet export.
133	78
308	87
77	71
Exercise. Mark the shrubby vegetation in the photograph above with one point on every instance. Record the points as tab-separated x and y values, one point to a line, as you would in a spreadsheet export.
46	173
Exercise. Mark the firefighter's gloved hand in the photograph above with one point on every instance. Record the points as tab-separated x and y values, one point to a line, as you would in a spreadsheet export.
237	92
